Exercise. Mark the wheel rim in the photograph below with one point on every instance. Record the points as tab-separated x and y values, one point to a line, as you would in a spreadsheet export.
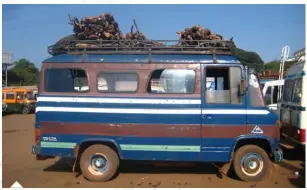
25	110
251	164
98	164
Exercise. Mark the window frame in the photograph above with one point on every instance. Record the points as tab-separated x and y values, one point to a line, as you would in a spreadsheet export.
150	75
79	68
119	72
241	102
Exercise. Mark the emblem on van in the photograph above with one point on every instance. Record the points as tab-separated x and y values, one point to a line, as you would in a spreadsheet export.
257	130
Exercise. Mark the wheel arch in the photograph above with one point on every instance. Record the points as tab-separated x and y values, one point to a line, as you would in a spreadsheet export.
262	141
91	141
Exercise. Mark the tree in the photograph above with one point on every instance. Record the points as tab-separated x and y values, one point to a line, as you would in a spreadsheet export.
274	65
251	59
23	73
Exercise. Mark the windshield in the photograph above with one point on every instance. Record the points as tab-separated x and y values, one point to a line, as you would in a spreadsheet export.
29	96
255	93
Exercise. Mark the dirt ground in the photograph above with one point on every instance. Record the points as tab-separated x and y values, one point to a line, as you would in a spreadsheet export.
20	165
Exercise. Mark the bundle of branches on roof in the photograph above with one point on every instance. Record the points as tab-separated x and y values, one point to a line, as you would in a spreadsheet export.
137	38
62	45
102	27
192	36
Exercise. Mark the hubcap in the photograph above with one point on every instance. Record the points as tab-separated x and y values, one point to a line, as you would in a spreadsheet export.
251	164
98	164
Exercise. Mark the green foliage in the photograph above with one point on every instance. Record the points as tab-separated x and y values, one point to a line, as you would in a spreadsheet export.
251	59
274	65
23	73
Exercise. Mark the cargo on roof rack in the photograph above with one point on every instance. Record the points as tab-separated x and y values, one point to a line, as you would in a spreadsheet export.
142	47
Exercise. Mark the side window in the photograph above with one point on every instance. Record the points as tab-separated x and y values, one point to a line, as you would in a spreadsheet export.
2	96
171	81
223	85
297	90
66	80
20	96
10	95
117	82
288	90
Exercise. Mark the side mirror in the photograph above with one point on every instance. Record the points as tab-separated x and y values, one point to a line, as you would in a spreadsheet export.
242	87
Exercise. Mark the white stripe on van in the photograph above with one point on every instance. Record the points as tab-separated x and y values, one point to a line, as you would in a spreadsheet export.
153	111
118	100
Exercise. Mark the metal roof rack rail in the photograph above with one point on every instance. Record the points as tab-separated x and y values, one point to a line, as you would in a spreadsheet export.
142	47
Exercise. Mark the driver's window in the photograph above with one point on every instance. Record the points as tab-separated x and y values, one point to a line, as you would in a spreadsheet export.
226	86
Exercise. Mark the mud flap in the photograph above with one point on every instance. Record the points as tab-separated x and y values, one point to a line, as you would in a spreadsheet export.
223	169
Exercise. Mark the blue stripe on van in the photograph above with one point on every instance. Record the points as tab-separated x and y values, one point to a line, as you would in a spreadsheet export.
117	118
114	105
303	73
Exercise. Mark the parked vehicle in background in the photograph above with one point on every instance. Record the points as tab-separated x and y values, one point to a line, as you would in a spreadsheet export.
270	92
18	100
293	104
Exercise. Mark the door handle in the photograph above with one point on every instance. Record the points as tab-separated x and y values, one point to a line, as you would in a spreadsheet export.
208	116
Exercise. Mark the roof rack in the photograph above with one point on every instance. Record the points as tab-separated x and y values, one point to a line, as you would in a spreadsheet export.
142	47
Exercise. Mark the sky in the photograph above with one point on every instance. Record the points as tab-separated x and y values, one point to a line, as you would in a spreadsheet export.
27	30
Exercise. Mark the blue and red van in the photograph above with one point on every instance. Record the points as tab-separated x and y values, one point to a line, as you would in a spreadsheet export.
103	106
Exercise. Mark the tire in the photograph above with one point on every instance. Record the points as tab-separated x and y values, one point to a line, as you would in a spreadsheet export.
106	158
25	110
258	159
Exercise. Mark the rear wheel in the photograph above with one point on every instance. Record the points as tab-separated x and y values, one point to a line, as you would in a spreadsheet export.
25	110
251	163
99	163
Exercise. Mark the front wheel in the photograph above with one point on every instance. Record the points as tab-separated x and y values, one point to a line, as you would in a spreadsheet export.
99	163
251	163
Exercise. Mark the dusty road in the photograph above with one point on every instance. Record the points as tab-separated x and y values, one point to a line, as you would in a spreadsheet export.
20	165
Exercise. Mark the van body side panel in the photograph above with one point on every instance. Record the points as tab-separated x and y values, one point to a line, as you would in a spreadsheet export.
143	126
142	131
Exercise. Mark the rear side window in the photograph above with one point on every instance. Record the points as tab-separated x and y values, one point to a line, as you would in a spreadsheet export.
117	82
66	80
171	81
